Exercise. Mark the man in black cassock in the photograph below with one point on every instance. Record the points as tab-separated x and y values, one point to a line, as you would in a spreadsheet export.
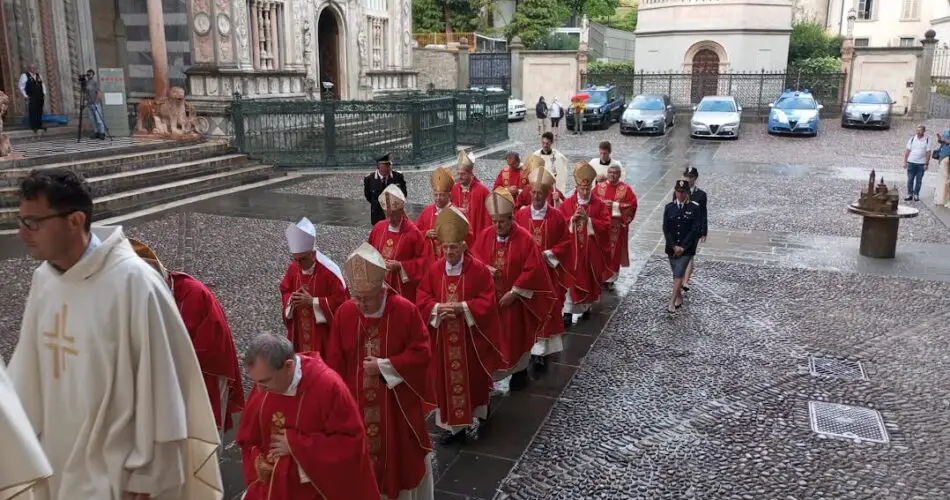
376	182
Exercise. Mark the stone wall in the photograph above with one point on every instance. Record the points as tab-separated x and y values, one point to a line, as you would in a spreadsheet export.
552	73
886	68
438	66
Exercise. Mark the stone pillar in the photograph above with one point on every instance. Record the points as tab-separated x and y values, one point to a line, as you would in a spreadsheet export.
517	74
581	65
156	36
847	63
920	100
464	77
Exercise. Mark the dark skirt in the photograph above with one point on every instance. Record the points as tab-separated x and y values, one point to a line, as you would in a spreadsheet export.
679	265
35	109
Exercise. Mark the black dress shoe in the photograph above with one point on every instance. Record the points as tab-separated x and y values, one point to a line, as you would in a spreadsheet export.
540	363
586	314
519	381
685	288
449	437
568	320
909	198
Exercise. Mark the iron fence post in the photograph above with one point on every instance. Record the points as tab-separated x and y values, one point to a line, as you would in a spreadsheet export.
237	121
329	131
641	82
730	84
669	87
758	102
416	123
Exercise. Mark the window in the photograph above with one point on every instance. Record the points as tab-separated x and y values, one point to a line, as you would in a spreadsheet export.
866	9
910	10
267	27
907	42
861	42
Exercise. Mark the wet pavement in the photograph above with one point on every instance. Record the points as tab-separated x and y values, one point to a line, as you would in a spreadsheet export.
711	403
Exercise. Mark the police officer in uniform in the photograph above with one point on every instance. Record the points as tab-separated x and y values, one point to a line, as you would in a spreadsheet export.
682	225
699	196
376	182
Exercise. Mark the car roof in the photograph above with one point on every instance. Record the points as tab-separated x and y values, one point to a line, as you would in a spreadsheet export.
660	96
871	92
607	86
718	98
797	93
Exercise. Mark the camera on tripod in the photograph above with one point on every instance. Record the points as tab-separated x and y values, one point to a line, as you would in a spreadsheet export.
82	79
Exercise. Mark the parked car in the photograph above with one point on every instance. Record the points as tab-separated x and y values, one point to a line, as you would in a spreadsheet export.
868	108
650	113
716	116
516	107
605	106
794	112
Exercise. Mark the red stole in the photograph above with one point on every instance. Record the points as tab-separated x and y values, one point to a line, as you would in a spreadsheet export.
509	177
616	254
302	329
586	256
408	246
472	204
426	222
551	233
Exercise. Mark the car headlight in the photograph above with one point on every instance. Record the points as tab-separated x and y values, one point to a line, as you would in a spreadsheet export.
697	124
780	116
731	124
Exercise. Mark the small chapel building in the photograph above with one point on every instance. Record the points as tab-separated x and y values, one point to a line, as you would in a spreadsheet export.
713	36
211	48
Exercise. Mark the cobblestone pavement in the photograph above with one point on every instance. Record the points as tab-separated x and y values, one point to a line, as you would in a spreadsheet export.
712	403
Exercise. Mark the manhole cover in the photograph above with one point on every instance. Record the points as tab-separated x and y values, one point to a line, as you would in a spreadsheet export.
849	422
840	368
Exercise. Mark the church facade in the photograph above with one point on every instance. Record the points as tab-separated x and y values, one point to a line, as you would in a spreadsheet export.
212	48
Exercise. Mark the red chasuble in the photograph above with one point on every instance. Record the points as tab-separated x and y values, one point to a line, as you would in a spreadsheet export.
616	254
326	436
408	246
472	204
204	318
426	221
585	259
551	234
302	329
520	263
524	197
464	357
394	418
512	177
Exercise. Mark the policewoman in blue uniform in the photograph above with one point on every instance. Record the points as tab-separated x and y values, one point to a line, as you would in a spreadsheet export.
682	226
699	196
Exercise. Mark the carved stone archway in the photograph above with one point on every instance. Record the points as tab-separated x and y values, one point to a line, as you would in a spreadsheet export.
705	61
331	61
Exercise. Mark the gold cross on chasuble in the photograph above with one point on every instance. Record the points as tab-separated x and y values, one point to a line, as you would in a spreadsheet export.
59	343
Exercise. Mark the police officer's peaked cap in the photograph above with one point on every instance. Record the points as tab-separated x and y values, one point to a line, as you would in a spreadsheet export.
691	172
682	185
386	158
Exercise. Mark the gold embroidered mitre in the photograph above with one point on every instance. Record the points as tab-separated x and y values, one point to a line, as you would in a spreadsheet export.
365	269
392	198
532	162
464	161
500	202
451	226
442	180
584	174
148	255
541	179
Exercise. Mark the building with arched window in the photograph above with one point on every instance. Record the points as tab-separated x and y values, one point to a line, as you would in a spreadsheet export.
713	36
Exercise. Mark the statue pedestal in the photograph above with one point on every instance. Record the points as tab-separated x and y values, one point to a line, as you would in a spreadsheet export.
879	230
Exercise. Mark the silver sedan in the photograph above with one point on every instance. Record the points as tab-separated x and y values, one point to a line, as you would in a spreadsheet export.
868	108
716	116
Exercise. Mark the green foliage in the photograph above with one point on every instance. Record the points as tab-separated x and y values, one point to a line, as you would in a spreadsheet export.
534	20
809	40
610	67
428	16
559	41
627	22
594	9
816	65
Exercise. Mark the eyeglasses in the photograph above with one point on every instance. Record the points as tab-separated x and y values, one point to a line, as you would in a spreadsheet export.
33	223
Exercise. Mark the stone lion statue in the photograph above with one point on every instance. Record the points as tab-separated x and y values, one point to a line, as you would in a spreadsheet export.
5	147
166	115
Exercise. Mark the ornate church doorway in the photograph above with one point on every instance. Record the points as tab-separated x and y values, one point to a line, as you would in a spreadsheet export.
328	50
705	77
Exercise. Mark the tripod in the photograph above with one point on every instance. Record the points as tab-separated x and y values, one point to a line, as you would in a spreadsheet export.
97	113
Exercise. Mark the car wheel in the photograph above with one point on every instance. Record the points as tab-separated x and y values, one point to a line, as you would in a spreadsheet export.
663	129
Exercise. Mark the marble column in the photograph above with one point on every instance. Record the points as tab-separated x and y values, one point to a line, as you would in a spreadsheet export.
156	35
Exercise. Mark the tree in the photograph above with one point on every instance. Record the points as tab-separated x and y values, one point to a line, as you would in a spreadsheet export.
438	16
626	23
594	9
534	20
809	40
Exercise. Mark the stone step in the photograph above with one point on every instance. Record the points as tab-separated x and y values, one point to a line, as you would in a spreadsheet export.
146	157
34	159
128	201
113	183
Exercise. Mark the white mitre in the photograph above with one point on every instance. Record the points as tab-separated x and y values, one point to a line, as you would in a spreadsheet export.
392	198
301	236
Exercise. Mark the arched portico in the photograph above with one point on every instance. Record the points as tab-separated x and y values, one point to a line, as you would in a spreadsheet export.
708	46
705	61
331	44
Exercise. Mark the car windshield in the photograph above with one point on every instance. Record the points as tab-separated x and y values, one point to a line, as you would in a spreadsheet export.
871	98
647	103
597	97
795	102
716	106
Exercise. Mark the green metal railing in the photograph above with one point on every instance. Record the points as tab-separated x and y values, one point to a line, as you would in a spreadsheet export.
417	127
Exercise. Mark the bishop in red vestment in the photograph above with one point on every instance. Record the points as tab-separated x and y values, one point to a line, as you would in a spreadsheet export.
311	290
457	300
380	346
533	163
512	177
621	202
401	244
442	182
522	286
469	194
301	435
589	223
548	228
208	327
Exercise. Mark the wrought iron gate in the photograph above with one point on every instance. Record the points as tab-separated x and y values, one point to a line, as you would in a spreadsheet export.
490	69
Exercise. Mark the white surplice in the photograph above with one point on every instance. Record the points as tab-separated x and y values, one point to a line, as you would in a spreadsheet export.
22	461
109	380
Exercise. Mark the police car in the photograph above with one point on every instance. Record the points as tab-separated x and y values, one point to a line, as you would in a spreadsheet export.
794	112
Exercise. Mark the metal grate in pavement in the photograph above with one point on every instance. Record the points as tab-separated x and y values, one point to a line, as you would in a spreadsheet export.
838	368
848	422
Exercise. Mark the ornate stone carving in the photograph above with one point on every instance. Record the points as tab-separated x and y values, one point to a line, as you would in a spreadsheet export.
6	149
307	42
299	35
361	44
202	23
407	32
202	126
224	25
241	30
166	116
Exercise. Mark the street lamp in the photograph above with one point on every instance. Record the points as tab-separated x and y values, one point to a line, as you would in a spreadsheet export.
852	15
